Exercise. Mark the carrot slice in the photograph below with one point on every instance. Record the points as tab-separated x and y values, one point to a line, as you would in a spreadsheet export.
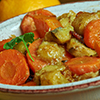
3	42
30	83
13	67
44	24
38	63
92	33
40	12
82	65
97	47
67	56
27	25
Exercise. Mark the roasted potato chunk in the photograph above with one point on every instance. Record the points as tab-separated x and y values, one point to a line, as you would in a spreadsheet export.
66	20
59	35
66	23
62	35
82	19
50	52
70	16
52	75
78	49
86	76
20	47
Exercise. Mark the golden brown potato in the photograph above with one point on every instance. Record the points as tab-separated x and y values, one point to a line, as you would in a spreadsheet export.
78	49
86	76
82	19
66	23
62	35
50	52
20	47
59	35
52	75
70	16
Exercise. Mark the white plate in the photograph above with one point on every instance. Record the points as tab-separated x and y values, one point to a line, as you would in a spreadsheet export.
83	90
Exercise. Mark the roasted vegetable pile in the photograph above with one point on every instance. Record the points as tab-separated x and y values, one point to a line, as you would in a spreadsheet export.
55	50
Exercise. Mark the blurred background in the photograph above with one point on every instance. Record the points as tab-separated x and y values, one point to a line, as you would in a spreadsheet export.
22	6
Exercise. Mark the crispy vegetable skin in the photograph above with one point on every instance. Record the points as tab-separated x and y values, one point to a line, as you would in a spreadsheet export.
78	49
59	35
50	52
82	19
67	18
86	76
59	74
52	75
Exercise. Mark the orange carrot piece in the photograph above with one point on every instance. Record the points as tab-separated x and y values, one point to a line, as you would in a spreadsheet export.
97	47
44	24
27	25
82	65
3	42
92	33
67	56
13	67
30	83
40	12
38	63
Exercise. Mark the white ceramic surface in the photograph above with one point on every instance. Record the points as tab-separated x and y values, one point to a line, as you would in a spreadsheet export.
83	90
